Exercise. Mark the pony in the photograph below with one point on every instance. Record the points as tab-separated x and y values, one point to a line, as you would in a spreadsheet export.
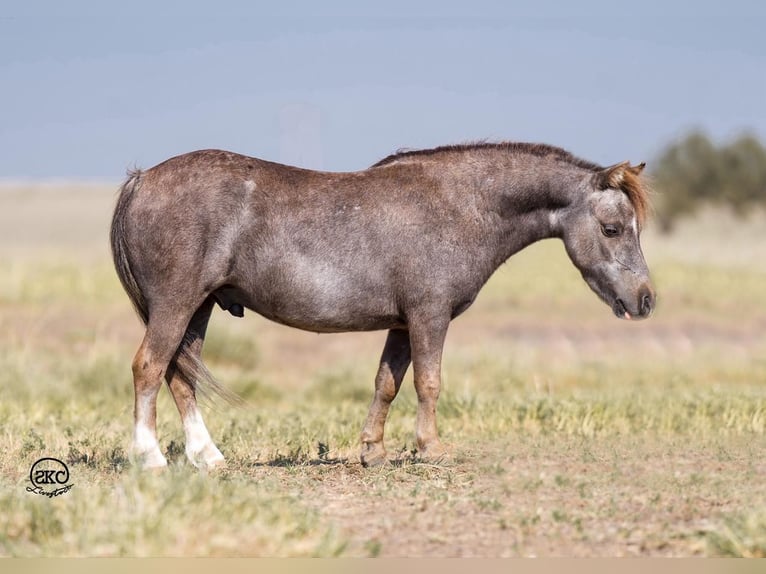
403	246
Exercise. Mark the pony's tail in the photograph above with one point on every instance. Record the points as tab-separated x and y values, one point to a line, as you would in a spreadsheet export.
187	364
194	372
120	253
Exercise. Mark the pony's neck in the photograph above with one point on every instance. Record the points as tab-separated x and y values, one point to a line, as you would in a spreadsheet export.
526	202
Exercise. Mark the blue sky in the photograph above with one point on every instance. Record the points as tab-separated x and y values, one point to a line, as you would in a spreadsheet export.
88	89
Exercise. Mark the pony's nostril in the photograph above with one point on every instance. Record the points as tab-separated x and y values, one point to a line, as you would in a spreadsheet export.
646	304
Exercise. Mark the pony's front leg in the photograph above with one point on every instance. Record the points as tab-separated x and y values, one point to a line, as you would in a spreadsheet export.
427	334
393	365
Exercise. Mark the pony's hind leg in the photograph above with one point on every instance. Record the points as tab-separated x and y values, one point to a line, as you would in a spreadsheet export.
200	449
393	365
164	333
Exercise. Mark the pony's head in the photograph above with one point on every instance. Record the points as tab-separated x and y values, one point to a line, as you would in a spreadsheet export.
601	231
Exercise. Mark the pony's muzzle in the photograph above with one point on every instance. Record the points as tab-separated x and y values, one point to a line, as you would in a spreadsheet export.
644	305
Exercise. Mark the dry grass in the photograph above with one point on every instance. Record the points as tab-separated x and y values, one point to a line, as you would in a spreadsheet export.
573	434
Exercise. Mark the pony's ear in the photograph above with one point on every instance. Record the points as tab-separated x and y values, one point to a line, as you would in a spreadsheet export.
637	169
611	177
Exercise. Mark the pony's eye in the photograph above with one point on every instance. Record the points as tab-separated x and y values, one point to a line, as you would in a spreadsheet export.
610	230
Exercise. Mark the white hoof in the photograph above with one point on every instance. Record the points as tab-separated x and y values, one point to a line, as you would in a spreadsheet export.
148	459
145	450
206	457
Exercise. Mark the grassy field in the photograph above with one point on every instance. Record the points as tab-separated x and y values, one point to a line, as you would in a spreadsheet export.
573	433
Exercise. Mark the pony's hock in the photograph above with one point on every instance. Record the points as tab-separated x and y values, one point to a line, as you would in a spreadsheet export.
404	246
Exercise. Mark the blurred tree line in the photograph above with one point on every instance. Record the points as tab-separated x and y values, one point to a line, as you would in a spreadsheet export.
694	172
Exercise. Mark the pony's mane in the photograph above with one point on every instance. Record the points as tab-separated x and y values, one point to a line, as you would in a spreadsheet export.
536	149
632	184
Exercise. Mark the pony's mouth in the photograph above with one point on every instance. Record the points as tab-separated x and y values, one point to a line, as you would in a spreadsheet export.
620	310
617	304
619	307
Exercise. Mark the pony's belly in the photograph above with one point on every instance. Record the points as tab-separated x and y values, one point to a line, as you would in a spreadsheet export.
319	305
337	324
326	318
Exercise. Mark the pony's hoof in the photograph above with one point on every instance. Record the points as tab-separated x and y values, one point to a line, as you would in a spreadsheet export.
373	454
149	460
207	458
435	454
